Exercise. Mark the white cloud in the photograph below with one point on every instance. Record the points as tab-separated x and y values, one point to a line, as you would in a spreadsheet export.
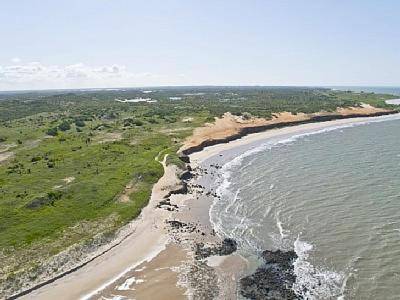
35	75
16	60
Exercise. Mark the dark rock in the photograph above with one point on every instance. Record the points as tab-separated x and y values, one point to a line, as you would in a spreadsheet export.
184	158
226	247
166	204
183	189
186	176
274	280
176	224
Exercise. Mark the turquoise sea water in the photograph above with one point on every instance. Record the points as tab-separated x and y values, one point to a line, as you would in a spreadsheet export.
332	195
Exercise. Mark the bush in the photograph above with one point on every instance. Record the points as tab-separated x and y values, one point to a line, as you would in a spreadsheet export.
246	116
49	199
36	158
64	126
137	122
52	131
79	123
152	121
170	119
130	121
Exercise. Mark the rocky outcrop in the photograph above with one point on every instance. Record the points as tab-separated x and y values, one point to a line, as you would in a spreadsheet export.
184	158
186	176
226	247
182	189
273	280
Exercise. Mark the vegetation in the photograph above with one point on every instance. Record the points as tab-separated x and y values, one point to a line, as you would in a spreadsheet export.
74	152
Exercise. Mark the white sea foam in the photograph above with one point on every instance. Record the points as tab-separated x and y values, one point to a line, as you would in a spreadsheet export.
117	297
149	257
234	200
267	211
312	282
282	231
126	286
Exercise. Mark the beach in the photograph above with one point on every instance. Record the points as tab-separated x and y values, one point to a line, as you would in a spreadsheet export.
173	250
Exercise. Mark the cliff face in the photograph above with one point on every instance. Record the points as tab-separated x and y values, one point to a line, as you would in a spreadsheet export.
229	128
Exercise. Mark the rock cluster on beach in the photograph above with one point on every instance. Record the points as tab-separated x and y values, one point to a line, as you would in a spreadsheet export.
226	247
273	280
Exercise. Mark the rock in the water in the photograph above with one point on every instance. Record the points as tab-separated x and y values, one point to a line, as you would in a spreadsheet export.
274	280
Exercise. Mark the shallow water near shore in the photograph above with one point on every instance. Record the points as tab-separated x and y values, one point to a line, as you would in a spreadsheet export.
332	195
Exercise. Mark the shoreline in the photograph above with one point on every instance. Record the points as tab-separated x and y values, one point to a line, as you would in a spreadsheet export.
159	238
225	152
247	130
209	151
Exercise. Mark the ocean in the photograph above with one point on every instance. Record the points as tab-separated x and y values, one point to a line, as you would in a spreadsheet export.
393	90
332	195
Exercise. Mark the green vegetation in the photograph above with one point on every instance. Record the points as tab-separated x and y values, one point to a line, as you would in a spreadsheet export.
72	153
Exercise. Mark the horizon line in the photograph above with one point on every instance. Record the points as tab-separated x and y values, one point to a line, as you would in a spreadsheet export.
191	86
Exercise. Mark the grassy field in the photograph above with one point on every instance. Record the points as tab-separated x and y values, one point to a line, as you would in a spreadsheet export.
66	157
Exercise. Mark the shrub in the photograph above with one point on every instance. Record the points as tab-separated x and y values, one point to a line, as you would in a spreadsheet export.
52	131
36	158
49	199
246	116
64	126
131	121
79	123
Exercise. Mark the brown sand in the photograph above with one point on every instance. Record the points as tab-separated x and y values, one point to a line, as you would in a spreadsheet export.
156	279
4	156
108	137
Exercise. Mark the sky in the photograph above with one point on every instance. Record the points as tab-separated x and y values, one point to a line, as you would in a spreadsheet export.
51	44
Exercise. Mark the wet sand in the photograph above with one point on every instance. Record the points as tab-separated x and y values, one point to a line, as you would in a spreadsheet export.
156	279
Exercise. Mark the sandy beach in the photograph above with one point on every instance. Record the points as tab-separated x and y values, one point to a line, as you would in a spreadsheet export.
173	251
199	157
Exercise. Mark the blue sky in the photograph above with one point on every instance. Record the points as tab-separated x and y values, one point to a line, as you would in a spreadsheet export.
111	43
